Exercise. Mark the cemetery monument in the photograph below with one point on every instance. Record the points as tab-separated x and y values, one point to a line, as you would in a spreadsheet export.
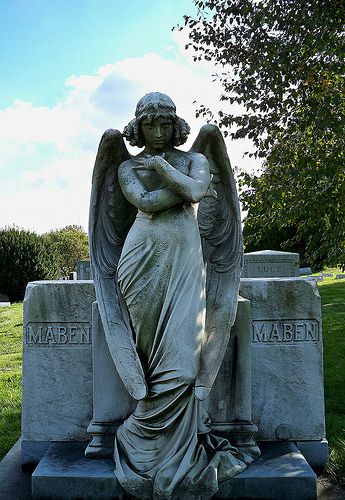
154	379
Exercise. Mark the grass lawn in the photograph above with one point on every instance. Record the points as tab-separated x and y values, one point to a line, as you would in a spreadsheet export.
11	323
333	312
333	319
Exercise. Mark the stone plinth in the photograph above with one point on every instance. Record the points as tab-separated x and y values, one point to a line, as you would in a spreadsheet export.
287	365
57	364
270	263
280	473
229	403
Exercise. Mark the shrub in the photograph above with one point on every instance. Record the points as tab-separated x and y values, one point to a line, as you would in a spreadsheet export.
24	257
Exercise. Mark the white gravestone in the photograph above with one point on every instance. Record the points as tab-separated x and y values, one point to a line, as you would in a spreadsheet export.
57	364
270	263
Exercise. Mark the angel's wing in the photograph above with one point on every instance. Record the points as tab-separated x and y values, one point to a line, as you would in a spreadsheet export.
110	219
221	236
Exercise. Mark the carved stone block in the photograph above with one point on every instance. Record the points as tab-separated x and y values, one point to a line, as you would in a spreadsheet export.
287	364
57	364
270	263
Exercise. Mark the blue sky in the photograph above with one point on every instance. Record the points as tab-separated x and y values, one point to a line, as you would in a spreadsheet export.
71	69
45	41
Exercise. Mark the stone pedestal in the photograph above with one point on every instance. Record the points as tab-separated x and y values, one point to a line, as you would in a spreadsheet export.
281	473
111	402
229	403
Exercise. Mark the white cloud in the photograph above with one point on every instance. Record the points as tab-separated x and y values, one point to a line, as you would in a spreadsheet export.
57	193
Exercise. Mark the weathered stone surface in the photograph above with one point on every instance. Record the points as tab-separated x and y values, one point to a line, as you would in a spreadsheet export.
281	473
315	452
340	276
270	263
57	363
228	403
287	367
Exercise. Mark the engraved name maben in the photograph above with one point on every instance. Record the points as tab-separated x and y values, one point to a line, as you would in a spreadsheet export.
287	331
58	334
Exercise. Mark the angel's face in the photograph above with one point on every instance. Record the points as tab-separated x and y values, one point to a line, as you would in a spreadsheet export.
157	133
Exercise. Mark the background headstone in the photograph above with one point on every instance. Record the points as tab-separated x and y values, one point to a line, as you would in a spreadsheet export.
4	300
84	270
270	263
305	270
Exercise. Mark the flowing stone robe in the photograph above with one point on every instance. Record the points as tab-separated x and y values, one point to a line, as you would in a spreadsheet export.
165	448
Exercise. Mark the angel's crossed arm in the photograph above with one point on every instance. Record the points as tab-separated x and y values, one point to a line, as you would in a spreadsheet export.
193	187
179	187
136	193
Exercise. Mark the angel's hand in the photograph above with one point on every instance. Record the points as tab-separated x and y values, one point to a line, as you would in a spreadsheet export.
142	163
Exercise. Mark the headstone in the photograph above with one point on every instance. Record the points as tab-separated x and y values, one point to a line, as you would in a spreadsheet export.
340	277
287	383
4	300
270	263
287	364
312	278
327	275
305	270
84	270
57	364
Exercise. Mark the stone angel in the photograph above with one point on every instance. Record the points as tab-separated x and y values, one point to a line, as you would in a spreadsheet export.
166	253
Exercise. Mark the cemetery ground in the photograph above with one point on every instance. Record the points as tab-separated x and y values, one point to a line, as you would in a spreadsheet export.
332	293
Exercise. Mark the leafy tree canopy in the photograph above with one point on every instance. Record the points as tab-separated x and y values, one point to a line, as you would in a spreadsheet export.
283	63
24	257
71	243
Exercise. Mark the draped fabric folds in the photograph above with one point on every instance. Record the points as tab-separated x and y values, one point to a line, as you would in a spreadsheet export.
165	448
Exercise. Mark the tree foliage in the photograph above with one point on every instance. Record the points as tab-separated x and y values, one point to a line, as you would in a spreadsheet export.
282	63
71	244
24	257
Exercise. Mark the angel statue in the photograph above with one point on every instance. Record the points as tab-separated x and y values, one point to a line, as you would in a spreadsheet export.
166	252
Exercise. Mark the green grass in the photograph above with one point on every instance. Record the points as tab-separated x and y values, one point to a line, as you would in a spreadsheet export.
333	313
11	323
332	293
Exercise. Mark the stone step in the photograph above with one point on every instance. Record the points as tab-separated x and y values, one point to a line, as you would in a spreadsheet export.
281	473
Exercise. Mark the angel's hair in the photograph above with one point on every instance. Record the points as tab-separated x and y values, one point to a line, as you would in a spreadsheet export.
150	107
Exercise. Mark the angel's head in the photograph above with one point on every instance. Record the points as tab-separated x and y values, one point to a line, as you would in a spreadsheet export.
151	107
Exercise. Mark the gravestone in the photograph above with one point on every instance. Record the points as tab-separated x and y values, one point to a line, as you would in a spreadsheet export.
270	263
84	270
287	363
4	300
57	365
305	270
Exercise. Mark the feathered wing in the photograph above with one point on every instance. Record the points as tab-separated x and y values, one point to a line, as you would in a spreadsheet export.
110	219
221	237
